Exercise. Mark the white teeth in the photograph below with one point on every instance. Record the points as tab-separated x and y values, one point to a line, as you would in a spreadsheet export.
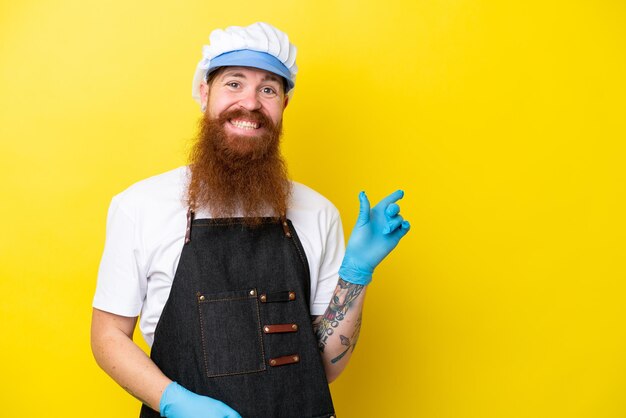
242	124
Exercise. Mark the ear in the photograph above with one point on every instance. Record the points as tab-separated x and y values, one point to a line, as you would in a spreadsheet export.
204	93
285	102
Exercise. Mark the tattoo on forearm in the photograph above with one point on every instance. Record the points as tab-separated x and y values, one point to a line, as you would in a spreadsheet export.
350	343
324	326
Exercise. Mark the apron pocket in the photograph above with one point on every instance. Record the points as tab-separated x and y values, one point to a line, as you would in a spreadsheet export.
230	326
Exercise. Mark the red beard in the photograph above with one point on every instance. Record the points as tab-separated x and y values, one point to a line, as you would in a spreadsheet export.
234	149
238	175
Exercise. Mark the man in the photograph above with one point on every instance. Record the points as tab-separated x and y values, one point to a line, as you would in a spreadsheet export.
233	268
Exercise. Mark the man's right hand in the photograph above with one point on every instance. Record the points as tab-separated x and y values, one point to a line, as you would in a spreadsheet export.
178	402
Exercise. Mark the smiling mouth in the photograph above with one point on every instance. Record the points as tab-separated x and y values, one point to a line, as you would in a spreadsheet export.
244	124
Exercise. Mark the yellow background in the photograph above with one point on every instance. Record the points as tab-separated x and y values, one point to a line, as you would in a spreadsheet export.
503	121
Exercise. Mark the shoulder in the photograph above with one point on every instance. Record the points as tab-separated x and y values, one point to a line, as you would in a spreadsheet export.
305	198
310	211
157	193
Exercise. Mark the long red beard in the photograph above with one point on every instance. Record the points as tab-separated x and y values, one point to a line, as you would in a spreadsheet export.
238	175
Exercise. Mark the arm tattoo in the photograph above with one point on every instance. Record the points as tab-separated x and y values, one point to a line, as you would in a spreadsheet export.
349	343
324	326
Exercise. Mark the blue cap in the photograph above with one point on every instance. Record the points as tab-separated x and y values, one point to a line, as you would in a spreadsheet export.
255	59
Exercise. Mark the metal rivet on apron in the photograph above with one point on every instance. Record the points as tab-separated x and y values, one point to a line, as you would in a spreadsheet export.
296	358
266	329
273	362
294	327
292	295
201	297
263	298
252	292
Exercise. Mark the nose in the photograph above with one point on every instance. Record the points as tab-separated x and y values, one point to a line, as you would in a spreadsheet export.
250	100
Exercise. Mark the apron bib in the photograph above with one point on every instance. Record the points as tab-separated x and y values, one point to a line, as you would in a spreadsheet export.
237	326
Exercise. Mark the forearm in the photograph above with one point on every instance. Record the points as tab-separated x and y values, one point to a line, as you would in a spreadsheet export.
338	329
375	235
117	354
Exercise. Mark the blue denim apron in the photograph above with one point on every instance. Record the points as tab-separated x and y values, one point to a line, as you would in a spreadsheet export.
237	325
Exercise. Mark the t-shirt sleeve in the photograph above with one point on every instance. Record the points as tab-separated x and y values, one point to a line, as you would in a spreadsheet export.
332	257
121	286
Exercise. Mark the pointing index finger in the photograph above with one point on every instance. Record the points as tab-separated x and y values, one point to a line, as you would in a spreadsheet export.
393	197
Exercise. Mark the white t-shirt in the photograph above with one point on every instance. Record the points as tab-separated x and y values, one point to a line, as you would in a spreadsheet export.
146	232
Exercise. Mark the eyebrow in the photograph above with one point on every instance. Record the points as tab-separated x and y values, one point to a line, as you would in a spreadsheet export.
267	77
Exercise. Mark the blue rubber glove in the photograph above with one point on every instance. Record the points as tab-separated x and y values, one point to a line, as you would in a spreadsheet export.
178	402
376	233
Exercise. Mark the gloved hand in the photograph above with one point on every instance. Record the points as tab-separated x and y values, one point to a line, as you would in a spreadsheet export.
376	233
178	402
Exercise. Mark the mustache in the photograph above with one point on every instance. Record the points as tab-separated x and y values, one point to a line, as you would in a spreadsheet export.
253	116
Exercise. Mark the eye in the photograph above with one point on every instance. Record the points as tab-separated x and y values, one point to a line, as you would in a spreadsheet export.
269	91
233	84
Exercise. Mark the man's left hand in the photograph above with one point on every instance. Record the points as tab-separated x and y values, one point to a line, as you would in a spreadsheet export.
375	235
